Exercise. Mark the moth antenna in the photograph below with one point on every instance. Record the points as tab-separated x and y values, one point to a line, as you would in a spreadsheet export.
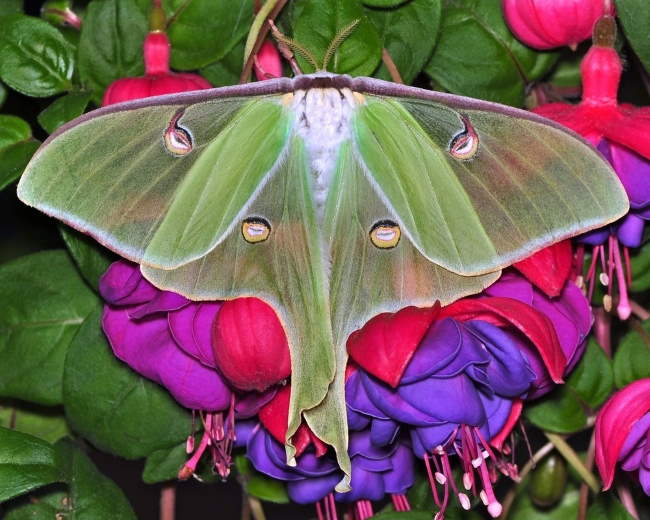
338	40
292	44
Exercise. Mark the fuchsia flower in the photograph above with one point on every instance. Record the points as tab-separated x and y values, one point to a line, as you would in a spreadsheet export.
544	24
622	134
158	78
268	63
623	434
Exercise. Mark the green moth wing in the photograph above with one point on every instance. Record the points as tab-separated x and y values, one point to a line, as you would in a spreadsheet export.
477	189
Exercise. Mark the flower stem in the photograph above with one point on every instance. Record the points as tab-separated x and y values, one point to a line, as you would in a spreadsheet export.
168	501
572	458
627	500
391	67
603	329
584	490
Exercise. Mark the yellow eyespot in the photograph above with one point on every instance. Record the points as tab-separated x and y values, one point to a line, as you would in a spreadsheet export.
465	144
385	234
177	139
255	230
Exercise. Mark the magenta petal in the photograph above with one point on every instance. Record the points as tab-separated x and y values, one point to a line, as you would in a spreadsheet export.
249	404
511	285
191	327
123	284
634	172
638	432
148	348
163	301
203	325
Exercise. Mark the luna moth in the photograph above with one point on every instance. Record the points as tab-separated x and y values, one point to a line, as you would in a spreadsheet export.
332	198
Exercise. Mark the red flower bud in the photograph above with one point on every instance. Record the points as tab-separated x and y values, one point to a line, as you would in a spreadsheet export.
544	24
158	79
384	346
249	344
549	268
268	63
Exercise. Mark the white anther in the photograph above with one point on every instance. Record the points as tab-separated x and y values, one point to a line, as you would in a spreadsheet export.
464	501
495	509
467	481
483	496
440	478
604	279
477	462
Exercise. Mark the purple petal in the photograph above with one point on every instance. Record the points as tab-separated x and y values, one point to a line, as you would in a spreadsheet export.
244	431
595	237
511	285
258	455
634	172
376	466
163	301
357	398
123	284
356	420
497	411
630	230
508	372
248	404
391	403
308	491
453	399
366	485
383	432
147	346
426	439
445	351
637	433
360	444
644	480
191	327
402	476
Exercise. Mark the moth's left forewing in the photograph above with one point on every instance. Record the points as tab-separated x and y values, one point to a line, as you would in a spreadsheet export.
477	186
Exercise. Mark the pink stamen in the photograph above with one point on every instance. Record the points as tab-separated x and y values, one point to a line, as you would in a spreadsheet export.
319	511
432	481
190	466
493	506
624	309
332	504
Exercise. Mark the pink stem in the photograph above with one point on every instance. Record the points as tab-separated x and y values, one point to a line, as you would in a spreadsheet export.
168	501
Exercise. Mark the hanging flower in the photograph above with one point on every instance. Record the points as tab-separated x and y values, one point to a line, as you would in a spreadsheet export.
623	434
268	63
544	24
622	134
158	78
548	269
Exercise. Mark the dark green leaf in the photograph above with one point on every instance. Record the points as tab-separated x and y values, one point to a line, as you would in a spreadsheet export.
383	3
112	406
607	507
317	22
3	94
25	463
635	19
164	464
44	302
13	160
524	509
42	504
258	485
13	129
62	110
46	423
205	31
477	55
408	33
92	495
593	378
91	258
11	7
632	358
111	44
640	264
567	71
560	411
227	70
35	59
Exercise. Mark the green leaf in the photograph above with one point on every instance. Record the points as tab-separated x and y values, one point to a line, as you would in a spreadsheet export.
92	259
383	3
111	41
477	55
317	22
408	33
3	94
46	423
35	59
26	463
560	411
635	19
13	129
632	358
13	160
258	485
43	304
164	464
593	378
11	7
205	31
112	406
524	509
227	70
92	495
640	266
607	507
62	110
43	504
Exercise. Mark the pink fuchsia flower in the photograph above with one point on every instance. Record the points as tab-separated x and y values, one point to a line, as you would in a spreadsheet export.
622	133
623	433
158	78
268	64
548	269
544	24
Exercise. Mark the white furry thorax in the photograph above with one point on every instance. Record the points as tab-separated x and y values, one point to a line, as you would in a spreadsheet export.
323	121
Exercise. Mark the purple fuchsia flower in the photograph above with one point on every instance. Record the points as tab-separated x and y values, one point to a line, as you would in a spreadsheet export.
622	134
623	434
170	339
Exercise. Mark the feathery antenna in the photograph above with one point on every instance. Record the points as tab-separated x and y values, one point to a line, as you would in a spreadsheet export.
338	40
294	45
